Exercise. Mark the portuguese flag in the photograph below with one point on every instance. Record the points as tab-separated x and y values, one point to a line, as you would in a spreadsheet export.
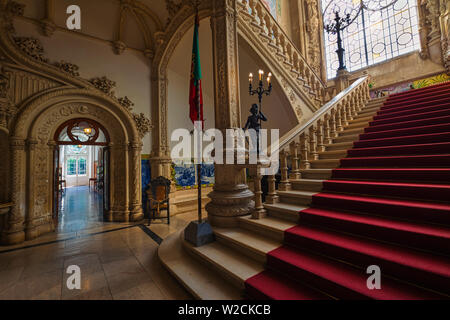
195	91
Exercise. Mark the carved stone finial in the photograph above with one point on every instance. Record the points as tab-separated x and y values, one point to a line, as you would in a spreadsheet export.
119	47
32	47
144	124
68	67
126	103
104	84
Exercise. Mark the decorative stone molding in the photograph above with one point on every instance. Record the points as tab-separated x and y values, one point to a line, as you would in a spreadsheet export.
143	124
126	103
293	99
32	47
38	105
119	47
313	29
172	8
104	84
68	67
48	27
15	8
4	83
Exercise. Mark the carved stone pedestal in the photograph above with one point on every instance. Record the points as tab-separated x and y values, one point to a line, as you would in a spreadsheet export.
229	201
342	80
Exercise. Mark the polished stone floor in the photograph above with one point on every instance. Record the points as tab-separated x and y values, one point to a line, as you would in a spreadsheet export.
117	261
80	209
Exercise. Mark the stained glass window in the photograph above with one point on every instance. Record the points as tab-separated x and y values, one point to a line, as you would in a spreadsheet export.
374	36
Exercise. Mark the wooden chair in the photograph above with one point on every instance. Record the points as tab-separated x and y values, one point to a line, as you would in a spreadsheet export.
158	198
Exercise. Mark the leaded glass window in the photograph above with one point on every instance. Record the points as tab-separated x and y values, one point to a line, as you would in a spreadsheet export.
374	36
71	166
81	166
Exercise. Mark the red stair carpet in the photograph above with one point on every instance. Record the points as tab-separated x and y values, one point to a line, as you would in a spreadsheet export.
387	205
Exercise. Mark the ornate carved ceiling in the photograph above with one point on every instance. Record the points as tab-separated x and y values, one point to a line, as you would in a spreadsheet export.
134	24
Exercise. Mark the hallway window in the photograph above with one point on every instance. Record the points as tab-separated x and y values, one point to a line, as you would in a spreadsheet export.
81	166
71	167
375	36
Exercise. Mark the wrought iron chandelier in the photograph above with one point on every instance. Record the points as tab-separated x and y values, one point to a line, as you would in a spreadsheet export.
338	15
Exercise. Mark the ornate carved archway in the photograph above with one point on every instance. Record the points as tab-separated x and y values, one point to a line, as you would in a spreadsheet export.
32	146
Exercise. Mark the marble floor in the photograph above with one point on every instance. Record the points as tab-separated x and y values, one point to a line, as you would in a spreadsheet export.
117	261
80	208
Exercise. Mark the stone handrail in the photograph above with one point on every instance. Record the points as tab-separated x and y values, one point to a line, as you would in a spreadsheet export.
304	142
282	48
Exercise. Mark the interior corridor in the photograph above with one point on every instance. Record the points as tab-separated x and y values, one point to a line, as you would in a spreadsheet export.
80	209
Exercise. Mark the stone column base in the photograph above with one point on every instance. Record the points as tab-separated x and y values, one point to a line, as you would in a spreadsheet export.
227	206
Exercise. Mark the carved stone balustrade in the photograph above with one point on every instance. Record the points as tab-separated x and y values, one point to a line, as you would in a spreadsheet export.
303	143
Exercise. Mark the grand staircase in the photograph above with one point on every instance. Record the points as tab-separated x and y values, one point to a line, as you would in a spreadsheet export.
378	193
387	203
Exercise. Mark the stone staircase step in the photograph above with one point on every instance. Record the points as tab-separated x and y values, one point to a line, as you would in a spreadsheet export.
200	281
296	197
361	119
306	184
286	211
341	146
334	154
267	226
251	244
231	265
323	174
355	125
349	138
351	131
325	163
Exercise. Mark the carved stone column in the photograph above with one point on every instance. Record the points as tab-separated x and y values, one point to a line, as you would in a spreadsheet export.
119	189
14	230
48	24
30	228
445	32
135	206
430	30
160	160
231	196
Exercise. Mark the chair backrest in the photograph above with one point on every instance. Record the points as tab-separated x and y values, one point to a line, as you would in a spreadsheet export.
159	188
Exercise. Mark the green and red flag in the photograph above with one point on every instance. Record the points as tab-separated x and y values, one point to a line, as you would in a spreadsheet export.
195	91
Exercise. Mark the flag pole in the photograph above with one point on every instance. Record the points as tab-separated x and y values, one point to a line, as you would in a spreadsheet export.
199	140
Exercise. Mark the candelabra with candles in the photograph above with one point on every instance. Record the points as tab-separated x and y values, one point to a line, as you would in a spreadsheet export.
260	91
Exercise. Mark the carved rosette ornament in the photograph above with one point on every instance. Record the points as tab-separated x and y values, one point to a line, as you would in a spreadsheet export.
104	84
143	124
32	47
69	68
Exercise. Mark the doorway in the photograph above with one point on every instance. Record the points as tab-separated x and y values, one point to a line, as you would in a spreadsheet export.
81	167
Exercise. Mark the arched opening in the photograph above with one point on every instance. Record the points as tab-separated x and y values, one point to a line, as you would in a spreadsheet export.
80	175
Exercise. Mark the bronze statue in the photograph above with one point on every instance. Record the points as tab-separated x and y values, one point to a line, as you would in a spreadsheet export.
254	122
